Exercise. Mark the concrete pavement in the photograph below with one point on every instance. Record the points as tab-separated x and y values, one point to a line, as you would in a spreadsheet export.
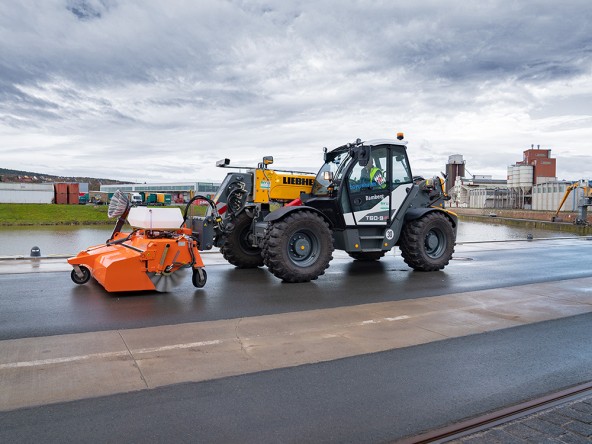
37	371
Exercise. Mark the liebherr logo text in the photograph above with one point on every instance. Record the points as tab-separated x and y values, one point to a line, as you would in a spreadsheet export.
297	181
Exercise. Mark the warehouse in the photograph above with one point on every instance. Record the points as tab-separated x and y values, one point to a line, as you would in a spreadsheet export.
27	193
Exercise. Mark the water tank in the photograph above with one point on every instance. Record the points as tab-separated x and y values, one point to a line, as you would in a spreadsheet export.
454	168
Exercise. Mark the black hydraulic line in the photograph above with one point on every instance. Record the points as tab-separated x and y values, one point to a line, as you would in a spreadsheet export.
133	248
193	199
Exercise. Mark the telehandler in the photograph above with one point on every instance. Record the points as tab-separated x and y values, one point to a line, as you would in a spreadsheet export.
364	200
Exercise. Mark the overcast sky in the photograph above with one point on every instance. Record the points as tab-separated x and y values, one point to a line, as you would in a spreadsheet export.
157	91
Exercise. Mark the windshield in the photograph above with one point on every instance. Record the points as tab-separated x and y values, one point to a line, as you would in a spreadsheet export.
334	165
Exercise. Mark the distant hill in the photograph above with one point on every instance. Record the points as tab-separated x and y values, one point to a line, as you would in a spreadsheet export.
17	176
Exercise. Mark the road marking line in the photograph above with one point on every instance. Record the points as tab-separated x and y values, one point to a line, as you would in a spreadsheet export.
178	346
61	360
40	362
398	318
379	321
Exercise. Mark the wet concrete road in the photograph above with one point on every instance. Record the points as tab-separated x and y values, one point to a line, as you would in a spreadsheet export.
46	304
375	397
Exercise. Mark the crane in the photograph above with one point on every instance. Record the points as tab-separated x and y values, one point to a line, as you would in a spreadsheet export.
583	204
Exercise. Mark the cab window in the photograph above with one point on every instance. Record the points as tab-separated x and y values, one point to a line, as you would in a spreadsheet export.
373	175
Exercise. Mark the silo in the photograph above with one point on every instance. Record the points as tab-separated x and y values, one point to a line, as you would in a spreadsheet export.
454	168
510	176
526	178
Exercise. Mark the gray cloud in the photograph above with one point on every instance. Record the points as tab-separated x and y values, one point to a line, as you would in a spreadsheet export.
149	79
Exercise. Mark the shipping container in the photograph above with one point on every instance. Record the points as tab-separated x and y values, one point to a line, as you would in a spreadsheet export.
151	199
73	199
73	190
164	199
158	199
61	193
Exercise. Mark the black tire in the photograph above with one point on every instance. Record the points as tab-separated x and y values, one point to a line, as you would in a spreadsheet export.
236	247
427	243
80	280
367	256
299	247
197	280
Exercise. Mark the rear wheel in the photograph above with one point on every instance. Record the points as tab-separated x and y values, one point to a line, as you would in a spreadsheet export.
427	243
237	247
299	247
367	256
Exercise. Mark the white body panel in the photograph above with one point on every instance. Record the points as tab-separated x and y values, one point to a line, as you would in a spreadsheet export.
397	197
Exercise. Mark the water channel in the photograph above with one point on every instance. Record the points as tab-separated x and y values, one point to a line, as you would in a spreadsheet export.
69	240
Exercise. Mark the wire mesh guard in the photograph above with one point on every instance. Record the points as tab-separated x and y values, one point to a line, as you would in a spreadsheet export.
118	205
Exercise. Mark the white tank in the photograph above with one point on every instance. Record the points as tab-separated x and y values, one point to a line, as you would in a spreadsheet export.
155	218
525	175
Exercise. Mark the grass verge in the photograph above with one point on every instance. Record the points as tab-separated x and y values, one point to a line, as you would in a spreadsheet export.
50	214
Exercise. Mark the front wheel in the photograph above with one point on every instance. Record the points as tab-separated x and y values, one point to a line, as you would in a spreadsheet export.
299	247
427	243
237	246
80	276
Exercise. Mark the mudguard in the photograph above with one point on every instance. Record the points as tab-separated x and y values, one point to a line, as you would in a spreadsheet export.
284	211
416	213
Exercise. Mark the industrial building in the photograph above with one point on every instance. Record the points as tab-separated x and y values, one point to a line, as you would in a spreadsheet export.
477	191
547	196
531	184
181	192
537	167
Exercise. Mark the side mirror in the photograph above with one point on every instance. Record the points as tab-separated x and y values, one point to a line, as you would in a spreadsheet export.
267	160
363	155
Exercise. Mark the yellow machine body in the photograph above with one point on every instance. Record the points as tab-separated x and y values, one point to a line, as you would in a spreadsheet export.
271	185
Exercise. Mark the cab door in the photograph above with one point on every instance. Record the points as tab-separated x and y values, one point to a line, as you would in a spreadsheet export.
369	191
376	191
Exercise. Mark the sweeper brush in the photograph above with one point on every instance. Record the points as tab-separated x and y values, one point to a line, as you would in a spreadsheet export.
156	255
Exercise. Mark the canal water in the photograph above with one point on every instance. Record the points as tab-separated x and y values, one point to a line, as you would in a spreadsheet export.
69	240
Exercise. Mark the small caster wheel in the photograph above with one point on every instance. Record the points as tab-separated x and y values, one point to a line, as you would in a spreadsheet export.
80	279
199	277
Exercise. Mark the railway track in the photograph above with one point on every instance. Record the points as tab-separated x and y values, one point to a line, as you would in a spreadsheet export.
500	417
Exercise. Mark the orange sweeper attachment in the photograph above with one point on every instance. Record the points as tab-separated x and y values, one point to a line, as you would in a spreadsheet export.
155	255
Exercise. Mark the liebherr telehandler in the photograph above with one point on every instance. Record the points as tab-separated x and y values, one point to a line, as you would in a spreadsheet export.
364	200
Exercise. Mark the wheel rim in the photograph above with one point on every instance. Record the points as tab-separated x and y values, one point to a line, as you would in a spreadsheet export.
304	248
245	242
435	243
81	280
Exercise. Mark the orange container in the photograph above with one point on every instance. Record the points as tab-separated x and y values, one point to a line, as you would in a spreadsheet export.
73	193
61	193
